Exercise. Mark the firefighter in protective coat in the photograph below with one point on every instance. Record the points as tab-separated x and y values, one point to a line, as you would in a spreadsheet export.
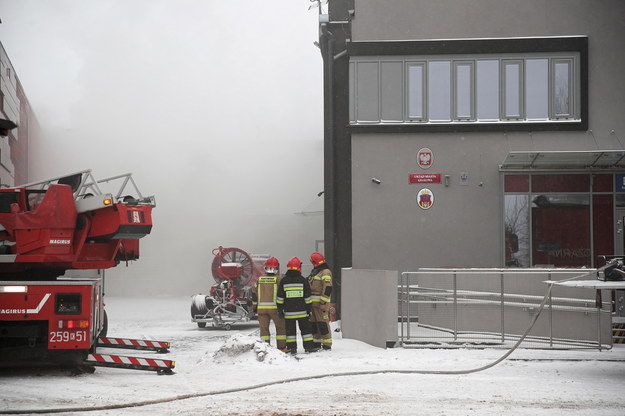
320	280
264	303
294	303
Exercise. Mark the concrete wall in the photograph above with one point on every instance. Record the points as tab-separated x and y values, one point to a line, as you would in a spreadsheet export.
368	306
464	227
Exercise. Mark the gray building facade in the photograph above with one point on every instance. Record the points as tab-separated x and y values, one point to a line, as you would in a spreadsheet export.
473	134
14	106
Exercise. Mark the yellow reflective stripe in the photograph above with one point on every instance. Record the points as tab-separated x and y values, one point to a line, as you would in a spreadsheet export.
280	337
325	299
268	307
327	341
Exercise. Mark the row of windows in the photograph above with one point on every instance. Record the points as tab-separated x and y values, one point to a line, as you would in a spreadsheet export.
465	89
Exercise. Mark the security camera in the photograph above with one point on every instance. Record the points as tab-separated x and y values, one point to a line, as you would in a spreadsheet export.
376	180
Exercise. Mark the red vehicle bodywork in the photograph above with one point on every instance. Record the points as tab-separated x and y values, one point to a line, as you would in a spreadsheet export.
42	235
38	317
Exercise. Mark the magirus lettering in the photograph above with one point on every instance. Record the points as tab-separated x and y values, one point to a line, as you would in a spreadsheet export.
13	311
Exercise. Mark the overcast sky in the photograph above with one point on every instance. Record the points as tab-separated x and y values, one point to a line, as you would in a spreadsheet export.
214	105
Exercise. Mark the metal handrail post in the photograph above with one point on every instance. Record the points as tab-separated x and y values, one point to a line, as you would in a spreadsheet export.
401	300
599	302
455	307
407	300
503	332
550	315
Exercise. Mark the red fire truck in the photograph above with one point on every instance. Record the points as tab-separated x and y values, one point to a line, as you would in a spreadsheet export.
49	231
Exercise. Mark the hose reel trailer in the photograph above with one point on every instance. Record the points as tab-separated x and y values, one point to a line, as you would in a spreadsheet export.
229	300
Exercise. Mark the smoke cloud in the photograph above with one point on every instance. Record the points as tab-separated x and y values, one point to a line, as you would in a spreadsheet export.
214	106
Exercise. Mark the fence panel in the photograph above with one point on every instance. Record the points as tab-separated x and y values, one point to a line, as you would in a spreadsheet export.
495	307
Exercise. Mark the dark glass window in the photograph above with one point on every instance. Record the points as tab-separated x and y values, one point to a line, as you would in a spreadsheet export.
602	183
561	230
517	230
6	199
602	225
561	183
557	214
516	183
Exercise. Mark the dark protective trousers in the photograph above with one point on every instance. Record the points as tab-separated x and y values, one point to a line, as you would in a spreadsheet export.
291	334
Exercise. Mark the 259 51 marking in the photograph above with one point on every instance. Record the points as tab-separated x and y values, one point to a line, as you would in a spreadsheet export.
66	336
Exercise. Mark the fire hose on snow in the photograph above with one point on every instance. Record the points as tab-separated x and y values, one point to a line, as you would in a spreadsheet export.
303	378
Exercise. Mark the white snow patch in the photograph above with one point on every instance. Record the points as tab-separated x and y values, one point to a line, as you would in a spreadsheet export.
210	360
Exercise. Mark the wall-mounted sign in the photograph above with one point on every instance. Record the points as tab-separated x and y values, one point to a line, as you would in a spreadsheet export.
425	158
425	198
424	178
464	178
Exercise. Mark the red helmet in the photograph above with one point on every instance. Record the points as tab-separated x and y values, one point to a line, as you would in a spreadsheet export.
317	259
272	265
294	264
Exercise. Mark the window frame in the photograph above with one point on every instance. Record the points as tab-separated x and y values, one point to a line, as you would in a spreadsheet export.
575	47
472	64
571	88
504	114
528	84
408	116
450	94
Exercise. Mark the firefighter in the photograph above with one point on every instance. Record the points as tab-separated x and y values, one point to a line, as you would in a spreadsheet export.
264	303
294	304
320	280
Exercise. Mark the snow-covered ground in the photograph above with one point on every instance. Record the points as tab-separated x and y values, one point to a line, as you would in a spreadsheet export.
214	367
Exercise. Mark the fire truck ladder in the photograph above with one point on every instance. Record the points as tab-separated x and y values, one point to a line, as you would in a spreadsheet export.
84	185
134	363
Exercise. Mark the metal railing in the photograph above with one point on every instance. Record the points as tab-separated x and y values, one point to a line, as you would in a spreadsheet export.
494	307
84	185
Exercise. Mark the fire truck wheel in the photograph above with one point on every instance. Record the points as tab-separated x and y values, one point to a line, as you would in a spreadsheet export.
201	324
105	324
